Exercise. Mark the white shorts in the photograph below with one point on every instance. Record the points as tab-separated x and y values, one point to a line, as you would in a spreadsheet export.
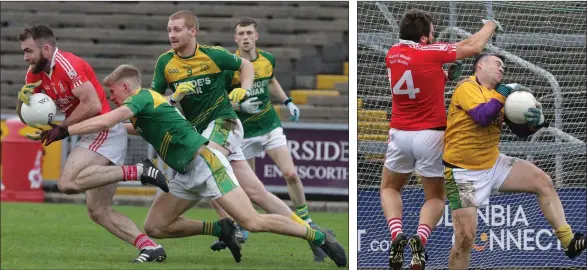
228	133
109	143
472	188
255	146
420	151
209	176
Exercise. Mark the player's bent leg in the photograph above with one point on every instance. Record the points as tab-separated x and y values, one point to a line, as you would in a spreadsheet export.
527	177
164	219
78	159
255	190
238	205
284	162
465	228
99	204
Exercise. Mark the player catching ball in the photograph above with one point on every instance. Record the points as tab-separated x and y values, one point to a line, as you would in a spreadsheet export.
474	167
418	121
72	84
203	172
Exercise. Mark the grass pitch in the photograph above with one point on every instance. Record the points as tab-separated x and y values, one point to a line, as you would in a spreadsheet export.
62	236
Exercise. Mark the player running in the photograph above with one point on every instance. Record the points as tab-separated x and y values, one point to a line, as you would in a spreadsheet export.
71	83
418	121
194	73
474	167
263	132
203	172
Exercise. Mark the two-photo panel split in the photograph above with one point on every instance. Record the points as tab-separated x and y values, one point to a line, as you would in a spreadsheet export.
293	135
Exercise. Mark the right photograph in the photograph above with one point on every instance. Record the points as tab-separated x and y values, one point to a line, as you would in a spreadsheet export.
471	135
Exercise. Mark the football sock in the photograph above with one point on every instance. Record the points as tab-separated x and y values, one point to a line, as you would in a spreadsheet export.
142	241
131	172
424	232
564	234
302	212
212	228
314	236
395	227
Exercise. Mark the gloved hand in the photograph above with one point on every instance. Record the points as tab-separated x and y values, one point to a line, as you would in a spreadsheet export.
237	95
56	133
180	91
498	27
504	90
455	70
24	95
534	116
250	106
293	110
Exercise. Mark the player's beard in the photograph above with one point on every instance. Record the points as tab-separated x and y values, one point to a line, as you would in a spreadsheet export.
40	65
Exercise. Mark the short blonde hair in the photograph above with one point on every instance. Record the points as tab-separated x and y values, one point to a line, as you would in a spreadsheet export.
189	18
123	72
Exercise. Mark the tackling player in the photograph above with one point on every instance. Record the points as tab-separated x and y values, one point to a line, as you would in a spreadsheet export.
474	167
263	132
203	172
194	73
71	83
418	120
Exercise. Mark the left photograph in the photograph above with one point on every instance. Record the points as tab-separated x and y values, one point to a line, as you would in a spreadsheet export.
187	134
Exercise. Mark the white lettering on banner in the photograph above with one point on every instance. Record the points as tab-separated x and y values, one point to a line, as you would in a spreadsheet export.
359	234
310	172
319	150
492	215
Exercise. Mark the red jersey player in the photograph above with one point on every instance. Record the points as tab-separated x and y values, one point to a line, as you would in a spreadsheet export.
71	83
418	120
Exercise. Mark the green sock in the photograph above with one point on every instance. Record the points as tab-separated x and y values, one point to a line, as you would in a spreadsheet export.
302	212
314	236
212	228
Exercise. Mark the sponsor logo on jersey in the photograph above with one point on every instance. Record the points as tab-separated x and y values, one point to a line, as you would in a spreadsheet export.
197	84
173	71
204	67
61	87
71	73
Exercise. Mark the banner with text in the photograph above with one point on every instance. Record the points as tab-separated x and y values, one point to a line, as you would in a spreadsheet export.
512	231
321	158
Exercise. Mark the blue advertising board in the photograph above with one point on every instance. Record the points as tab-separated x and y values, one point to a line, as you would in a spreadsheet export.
512	232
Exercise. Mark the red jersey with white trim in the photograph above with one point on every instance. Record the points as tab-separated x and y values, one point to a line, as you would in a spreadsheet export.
68	71
417	82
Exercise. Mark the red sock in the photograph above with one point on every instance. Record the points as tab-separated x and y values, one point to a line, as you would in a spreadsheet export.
395	227
142	241
424	232
129	173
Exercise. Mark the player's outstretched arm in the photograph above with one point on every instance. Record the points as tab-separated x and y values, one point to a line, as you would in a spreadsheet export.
92	125
474	44
89	104
102	122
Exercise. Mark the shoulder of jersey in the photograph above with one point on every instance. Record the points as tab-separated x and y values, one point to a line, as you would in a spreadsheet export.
267	54
208	48
166	55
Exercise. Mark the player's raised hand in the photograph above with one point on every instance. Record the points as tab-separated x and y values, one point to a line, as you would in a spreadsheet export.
250	106
56	133
24	95
498	28
534	116
293	110
181	90
237	95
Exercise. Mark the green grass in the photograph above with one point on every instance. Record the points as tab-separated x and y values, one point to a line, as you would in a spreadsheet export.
62	236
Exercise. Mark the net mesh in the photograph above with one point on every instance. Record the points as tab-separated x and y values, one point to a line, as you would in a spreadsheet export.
544	44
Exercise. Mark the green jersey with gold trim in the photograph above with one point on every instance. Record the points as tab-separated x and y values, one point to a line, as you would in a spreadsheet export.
267	119
204	71
163	126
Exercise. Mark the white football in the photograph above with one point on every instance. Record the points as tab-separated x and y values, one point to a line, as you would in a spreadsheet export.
517	104
40	111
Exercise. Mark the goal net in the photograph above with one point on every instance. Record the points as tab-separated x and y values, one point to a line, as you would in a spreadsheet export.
544	44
